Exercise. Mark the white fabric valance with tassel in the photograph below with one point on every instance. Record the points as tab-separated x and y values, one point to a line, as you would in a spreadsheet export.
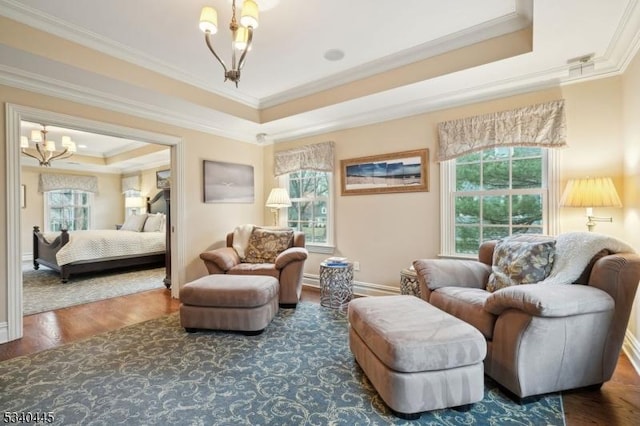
53	182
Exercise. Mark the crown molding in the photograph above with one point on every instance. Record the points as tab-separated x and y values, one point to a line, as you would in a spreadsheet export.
36	83
37	19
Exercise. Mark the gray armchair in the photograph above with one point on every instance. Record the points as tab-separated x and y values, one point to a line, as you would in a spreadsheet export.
541	337
288	267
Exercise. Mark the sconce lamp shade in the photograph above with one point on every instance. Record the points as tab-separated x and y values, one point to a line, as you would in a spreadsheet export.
590	192
278	198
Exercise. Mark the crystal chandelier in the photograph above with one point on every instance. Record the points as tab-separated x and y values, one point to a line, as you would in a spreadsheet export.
45	148
241	35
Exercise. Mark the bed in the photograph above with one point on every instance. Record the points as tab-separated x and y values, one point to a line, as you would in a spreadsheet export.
97	250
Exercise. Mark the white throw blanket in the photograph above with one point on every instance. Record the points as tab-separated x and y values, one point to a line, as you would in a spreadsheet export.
241	238
574	251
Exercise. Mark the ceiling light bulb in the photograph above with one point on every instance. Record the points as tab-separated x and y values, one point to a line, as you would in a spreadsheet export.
249	14
209	20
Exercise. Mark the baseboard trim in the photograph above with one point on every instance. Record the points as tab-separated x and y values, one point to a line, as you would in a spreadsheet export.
360	288
4	332
631	348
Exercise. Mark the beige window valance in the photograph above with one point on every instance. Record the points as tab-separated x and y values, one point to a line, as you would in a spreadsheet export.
541	125
131	183
317	157
53	182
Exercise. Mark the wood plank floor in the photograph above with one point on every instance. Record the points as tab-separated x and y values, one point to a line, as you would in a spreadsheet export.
616	403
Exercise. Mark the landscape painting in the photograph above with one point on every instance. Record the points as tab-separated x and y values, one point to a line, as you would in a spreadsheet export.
398	172
227	182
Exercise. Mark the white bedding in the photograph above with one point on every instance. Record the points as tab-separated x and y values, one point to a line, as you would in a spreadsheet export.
99	244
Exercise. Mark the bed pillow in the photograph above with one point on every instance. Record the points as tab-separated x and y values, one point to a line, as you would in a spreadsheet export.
153	223
266	244
520	262
134	222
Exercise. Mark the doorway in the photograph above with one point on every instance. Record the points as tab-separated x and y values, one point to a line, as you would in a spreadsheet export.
15	115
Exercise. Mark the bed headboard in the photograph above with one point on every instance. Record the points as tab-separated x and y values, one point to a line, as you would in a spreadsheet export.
157	204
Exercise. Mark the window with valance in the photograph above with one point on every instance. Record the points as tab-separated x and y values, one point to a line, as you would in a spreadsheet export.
67	201
307	173
498	175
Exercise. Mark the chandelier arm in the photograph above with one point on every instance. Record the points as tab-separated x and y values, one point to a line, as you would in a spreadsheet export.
208	40
53	157
246	49
30	155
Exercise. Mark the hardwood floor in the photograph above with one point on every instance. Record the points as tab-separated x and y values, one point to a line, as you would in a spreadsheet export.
616	403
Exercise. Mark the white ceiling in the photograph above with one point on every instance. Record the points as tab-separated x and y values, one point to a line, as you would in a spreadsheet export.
287	60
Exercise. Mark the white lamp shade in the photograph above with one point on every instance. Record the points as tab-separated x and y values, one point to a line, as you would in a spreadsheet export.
278	198
242	35
209	20
36	136
590	192
249	14
71	147
24	142
133	202
50	146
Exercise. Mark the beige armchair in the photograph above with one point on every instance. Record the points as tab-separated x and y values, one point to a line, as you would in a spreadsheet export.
541	337
287	267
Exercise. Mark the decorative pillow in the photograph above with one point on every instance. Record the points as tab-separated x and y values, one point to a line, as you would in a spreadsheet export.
153	223
520	262
266	244
134	223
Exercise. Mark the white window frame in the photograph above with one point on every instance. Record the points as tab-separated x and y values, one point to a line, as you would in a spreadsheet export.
329	246
47	222
550	195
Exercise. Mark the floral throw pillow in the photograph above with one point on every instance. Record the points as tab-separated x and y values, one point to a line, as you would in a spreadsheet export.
266	244
520	262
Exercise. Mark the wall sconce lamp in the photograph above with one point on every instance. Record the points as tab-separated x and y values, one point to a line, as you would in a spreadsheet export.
590	193
278	199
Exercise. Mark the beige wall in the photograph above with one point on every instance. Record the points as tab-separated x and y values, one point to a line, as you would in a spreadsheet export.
631	163
386	232
108	203
206	224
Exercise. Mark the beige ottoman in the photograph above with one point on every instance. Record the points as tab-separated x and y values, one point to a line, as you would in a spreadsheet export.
417	357
244	303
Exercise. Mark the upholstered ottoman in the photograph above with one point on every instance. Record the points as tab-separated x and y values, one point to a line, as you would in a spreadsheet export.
417	357
244	303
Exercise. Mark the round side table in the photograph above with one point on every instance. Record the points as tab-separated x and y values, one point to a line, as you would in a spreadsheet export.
336	285
409	282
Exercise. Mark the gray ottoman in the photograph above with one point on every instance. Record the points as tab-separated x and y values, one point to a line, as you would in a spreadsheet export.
244	303
417	357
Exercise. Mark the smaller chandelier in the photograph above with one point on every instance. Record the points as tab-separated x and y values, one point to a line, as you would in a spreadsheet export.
241	36
46	148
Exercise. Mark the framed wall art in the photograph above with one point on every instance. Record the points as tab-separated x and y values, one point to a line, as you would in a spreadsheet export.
405	171
227	182
163	179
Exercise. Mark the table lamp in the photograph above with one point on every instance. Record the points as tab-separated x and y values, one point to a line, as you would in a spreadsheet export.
278	199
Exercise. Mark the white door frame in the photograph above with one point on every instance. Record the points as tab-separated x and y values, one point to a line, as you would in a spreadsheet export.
14	115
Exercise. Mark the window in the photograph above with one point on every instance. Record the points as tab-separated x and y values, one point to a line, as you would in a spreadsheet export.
67	209
494	193
311	206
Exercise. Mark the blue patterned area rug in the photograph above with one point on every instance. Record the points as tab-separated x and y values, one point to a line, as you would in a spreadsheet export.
298	372
43	291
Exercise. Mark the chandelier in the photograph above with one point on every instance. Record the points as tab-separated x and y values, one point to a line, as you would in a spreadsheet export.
241	35
45	148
